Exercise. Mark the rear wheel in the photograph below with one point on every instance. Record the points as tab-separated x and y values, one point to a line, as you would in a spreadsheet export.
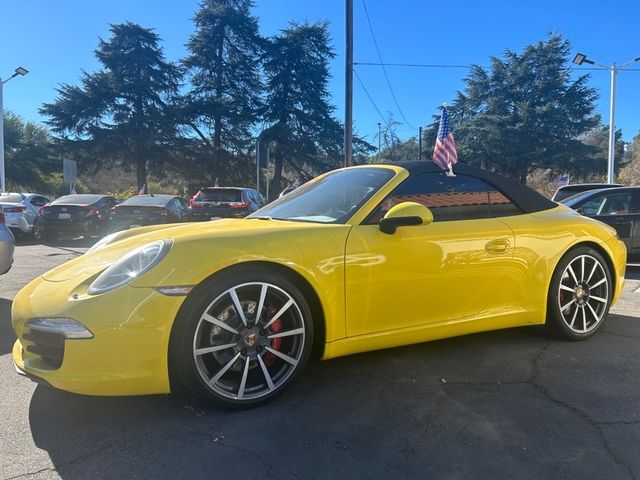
243	338
580	294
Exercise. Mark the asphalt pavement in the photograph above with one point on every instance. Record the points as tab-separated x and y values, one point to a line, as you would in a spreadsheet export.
506	404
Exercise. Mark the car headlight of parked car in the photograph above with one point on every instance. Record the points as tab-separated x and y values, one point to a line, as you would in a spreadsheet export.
131	266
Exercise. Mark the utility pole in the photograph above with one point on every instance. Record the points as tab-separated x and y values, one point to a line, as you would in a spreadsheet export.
348	90
420	144
379	136
581	58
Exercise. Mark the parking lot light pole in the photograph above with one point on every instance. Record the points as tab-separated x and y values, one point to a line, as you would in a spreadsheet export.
18	71
581	58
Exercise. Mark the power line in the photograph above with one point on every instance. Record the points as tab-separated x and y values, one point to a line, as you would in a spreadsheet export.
370	99
428	65
375	42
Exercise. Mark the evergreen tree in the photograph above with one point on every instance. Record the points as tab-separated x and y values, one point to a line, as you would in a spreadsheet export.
29	155
224	63
303	133
525	113
119	113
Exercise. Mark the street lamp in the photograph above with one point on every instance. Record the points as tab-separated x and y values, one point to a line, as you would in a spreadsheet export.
581	58
18	71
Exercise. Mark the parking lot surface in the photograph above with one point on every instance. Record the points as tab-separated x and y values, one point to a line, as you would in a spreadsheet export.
506	404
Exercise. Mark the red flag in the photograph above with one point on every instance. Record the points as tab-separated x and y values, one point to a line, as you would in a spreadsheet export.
444	153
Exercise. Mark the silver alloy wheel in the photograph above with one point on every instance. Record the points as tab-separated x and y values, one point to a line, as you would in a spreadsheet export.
248	341
583	294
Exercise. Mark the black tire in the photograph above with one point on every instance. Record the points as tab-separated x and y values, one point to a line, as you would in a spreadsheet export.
37	232
579	295
41	234
257	362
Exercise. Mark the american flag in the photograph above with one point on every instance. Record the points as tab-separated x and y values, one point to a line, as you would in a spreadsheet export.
444	153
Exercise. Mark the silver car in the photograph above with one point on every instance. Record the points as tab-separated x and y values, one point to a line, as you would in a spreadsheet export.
21	210
6	245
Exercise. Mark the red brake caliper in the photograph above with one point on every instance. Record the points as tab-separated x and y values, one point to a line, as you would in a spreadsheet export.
276	343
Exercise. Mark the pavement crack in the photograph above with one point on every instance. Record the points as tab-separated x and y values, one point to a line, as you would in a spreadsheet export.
584	416
621	335
29	474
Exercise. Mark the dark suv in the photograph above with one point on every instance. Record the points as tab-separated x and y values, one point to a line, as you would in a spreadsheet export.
221	202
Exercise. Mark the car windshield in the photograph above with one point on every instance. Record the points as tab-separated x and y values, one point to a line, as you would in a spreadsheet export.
332	199
220	195
146	200
10	198
76	199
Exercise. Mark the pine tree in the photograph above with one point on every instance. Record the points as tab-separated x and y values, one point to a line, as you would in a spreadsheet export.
224	64
119	113
525	113
303	133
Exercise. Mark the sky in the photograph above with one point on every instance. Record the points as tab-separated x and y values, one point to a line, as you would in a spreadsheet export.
55	41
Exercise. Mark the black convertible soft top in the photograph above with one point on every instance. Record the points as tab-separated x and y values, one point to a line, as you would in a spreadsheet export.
528	200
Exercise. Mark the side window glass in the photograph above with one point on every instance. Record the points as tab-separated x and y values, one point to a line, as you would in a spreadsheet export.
39	201
591	206
616	204
635	203
450	198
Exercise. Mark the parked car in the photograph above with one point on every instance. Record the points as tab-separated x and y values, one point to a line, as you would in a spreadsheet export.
358	259
73	215
7	242
222	202
148	210
618	207
567	191
21	210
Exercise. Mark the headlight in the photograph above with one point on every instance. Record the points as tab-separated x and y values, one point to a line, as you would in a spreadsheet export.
131	266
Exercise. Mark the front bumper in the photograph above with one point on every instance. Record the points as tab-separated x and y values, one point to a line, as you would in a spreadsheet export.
18	222
128	354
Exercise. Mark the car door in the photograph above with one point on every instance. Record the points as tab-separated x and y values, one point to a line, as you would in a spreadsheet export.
613	208
452	268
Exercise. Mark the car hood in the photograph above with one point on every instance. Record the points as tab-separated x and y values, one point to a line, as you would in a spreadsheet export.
225	232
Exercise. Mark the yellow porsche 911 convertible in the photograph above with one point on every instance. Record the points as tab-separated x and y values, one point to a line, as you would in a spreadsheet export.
358	259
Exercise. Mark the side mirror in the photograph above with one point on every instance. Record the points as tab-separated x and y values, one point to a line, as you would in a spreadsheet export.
405	214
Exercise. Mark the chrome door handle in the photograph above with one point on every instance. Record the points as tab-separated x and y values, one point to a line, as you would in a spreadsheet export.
497	246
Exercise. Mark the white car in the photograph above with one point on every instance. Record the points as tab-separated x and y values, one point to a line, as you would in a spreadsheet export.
6	246
21	210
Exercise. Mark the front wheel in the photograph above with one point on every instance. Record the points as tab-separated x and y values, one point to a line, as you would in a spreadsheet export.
242	338
579	295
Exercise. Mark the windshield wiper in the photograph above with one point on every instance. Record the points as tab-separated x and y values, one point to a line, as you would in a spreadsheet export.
263	217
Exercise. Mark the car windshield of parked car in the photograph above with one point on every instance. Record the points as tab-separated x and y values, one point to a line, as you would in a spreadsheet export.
10	198
146	201
332	199
76	199
226	195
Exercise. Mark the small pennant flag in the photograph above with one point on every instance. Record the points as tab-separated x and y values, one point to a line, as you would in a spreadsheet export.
562	181
143	189
216	184
444	152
